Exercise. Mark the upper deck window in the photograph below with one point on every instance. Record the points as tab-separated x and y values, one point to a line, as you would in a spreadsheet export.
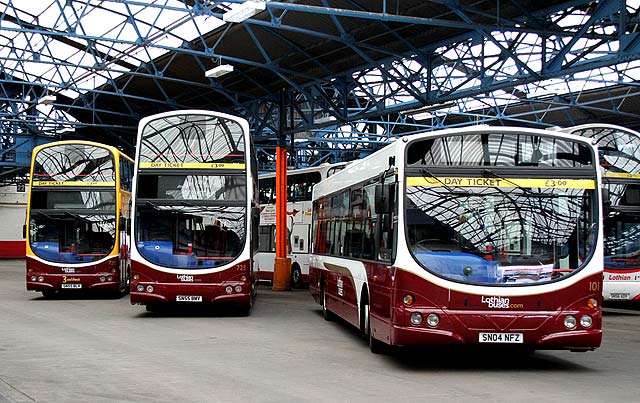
192	139
74	163
619	150
499	149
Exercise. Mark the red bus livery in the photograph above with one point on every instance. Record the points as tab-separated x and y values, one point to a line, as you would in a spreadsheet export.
195	211
471	236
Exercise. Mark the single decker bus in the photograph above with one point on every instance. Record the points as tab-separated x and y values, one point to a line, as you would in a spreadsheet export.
479	236
195	211
77	218
300	183
619	150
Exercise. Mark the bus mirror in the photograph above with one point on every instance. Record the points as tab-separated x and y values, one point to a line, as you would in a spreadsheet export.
24	231
383	199
255	215
606	202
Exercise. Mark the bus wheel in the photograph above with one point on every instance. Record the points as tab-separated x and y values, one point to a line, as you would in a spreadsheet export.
364	315
296	276
244	309
124	287
151	308
326	314
375	345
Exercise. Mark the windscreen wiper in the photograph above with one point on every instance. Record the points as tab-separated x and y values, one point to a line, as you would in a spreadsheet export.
426	173
152	205
487	173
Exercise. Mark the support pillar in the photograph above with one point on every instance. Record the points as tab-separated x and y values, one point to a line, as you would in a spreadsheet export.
282	264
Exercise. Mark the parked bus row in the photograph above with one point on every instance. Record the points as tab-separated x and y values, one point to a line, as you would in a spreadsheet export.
192	195
466	236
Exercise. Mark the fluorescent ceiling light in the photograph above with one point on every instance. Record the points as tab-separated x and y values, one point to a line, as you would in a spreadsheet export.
47	100
324	119
219	71
244	11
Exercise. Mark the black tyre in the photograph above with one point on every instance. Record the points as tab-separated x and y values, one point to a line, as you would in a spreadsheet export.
48	293
326	314
124	287
151	307
296	276
375	345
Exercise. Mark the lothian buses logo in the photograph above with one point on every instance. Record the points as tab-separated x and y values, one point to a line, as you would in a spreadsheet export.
185	278
495	302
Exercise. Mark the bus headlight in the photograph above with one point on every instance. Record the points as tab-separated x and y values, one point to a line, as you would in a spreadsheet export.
102	278
41	278
228	289
238	288
243	278
433	319
109	278
570	322
140	288
416	318
34	278
586	321
149	288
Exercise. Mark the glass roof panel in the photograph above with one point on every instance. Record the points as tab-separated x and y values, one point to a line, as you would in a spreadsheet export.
70	44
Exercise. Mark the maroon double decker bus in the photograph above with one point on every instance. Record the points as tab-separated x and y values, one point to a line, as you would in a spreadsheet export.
195	211
77	218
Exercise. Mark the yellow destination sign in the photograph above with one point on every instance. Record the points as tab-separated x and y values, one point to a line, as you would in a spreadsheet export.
620	175
554	183
191	165
72	183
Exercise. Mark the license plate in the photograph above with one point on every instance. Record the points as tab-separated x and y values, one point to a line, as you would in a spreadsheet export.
71	285
188	298
501	338
619	295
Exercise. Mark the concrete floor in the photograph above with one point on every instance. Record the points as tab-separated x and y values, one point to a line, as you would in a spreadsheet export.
106	350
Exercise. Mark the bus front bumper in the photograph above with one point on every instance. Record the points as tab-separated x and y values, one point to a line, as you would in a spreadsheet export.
543	330
74	282
166	293
579	340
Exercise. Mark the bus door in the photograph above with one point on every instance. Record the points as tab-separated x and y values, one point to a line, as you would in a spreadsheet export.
379	279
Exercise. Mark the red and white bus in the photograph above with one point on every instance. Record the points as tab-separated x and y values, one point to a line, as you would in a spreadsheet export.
300	183
195	211
78	218
470	236
619	150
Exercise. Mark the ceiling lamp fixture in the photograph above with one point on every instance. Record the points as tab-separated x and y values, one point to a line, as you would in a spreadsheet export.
244	11
218	71
47	100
